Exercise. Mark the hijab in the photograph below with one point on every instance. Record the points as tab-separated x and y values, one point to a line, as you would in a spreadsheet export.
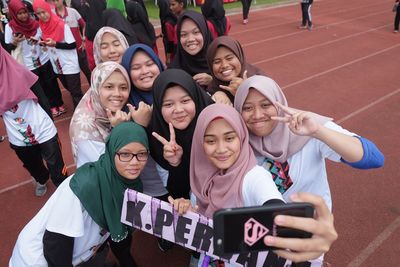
99	37
94	19
54	27
117	4
136	95
140	23
183	60
166	16
213	189
281	143
113	18
213	10
100	187
178	181
27	28
90	121
15	82
237	50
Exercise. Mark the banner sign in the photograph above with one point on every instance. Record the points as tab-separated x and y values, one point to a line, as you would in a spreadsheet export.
191	230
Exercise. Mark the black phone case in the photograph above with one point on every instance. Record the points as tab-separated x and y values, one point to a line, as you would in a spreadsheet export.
241	230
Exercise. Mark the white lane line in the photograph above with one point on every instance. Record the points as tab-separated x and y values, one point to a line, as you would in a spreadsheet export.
341	66
374	245
358	111
29	180
319	45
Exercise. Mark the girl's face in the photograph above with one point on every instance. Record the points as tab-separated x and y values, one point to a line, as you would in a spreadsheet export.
114	92
191	38
130	160
178	107
111	48
221	144
225	64
22	15
176	7
256	112
42	14
143	71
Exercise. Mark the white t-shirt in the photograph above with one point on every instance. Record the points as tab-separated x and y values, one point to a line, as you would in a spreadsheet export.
152	175
65	61
63	213
307	167
28	124
34	55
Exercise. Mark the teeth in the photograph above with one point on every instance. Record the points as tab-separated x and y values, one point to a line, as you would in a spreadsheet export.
227	72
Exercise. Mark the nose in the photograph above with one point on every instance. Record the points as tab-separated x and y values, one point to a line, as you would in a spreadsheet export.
220	147
257	113
178	108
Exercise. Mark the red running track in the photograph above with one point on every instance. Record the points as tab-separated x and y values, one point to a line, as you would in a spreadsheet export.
346	68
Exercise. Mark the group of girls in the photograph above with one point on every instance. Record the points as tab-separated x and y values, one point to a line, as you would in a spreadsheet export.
182	144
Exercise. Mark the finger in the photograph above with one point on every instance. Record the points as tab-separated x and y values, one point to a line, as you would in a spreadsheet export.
306	224
161	139
227	88
245	75
171	133
297	256
109	114
280	119
285	109
195	208
320	206
296	244
171	200
131	108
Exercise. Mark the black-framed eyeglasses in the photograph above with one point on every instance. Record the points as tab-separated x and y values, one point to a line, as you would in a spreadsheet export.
126	156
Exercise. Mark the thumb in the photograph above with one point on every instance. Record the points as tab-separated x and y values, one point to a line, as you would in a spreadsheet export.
171	200
109	113
245	75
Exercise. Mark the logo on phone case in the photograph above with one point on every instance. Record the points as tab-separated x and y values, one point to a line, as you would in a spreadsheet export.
253	231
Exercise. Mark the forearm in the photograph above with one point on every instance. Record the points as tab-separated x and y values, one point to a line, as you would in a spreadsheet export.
348	147
66	46
58	249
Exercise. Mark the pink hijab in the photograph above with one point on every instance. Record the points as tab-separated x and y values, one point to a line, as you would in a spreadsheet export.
215	190
281	143
15	82
54	28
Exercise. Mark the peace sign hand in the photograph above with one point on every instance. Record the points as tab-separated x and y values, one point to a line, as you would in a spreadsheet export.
299	122
117	117
172	151
234	84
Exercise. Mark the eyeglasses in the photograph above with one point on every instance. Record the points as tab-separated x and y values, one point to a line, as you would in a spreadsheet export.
127	157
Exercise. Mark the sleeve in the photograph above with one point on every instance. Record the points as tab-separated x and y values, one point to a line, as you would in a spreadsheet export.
88	151
372	157
8	34
163	173
259	187
58	249
122	252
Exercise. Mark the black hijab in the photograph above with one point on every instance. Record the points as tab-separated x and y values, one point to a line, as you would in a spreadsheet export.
144	30
178	180
112	17
93	17
213	10
182	60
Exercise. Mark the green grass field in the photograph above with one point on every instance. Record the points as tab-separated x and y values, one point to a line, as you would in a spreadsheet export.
153	11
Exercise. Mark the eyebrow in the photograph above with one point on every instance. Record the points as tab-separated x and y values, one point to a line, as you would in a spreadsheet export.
212	135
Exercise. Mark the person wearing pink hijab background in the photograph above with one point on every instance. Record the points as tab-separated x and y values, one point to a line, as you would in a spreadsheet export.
59	40
31	132
224	174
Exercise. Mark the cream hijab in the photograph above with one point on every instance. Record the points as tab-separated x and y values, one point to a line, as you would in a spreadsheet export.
99	36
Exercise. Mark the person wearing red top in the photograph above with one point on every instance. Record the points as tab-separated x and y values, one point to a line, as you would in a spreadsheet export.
77	25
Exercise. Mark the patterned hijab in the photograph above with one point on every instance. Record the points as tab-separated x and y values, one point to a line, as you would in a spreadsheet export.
90	121
15	82
99	37
136	94
237	50
215	190
54	27
183	60
27	28
281	143
100	187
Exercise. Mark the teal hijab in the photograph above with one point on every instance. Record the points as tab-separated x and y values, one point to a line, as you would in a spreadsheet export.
100	187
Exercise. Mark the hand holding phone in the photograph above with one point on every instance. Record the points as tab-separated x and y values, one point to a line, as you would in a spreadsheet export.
241	230
321	227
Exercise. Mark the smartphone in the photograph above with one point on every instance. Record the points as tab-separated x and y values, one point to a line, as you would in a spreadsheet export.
240	230
18	34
